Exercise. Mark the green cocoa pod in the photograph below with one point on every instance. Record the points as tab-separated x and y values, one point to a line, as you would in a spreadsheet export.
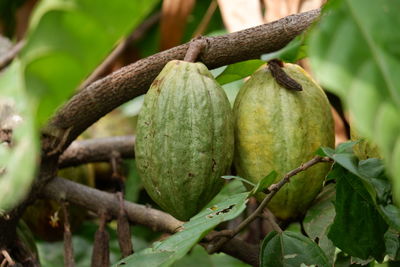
364	149
184	138
45	217
277	129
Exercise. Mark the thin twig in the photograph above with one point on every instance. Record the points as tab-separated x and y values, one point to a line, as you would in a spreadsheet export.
206	19
123	229
97	150
273	190
267	215
7	257
11	54
69	260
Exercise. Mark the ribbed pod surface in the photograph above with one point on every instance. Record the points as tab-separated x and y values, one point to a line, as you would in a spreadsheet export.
277	129
184	138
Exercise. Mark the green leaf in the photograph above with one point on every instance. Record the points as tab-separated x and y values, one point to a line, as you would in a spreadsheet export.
392	241
166	252
319	218
232	188
292	52
67	39
265	182
198	257
229	177
291	249
239	71
355	55
358	227
15	181
372	175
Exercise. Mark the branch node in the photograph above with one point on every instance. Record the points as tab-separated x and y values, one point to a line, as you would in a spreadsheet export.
197	46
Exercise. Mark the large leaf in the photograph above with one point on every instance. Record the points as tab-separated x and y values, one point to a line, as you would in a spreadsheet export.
291	249
354	53
14	180
358	227
67	39
374	184
166	252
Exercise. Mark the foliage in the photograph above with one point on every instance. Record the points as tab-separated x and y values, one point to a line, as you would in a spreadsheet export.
362	69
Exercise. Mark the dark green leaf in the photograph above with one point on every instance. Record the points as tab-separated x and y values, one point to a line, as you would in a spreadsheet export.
372	174
319	218
355	54
358	227
239	71
176	246
291	249
392	241
292	52
265	182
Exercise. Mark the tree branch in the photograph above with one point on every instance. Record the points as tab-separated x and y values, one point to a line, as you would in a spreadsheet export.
104	95
97	150
136	35
95	200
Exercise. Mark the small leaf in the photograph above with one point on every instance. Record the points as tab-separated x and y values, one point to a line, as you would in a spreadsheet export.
229	177
292	52
291	249
177	245
392	241
239	71
265	182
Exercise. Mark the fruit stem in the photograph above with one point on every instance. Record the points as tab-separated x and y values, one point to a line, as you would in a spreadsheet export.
196	47
281	77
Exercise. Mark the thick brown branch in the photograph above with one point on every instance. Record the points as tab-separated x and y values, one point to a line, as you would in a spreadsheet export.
104	95
97	150
273	189
95	200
